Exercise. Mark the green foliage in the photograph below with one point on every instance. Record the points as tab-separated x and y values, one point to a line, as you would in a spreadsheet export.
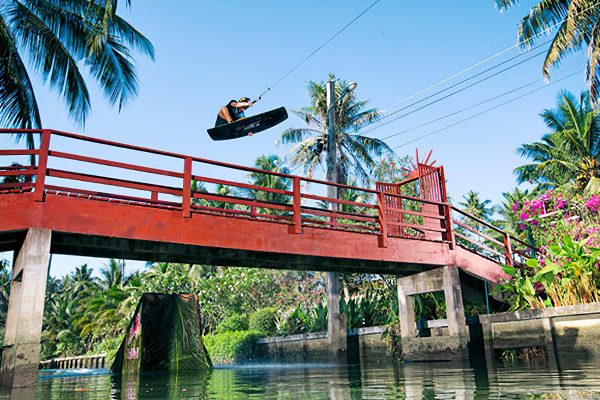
356	153
233	347
303	320
430	306
233	323
58	39
368	308
264	320
108	346
568	155
577	22
569	275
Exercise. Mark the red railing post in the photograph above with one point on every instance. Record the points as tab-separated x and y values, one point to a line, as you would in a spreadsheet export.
42	166
297	205
382	219
448	220
154	195
253	212
187	188
508	249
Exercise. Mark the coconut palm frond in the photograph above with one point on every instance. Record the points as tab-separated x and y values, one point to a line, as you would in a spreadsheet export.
18	104
577	22
354	153
569	154
52	59
112	65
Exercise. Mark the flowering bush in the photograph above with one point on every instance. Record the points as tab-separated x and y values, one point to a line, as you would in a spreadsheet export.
548	218
566	229
569	275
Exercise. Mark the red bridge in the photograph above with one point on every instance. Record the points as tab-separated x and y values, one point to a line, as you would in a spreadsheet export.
177	210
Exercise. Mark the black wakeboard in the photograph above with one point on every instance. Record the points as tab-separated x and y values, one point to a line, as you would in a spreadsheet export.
244	126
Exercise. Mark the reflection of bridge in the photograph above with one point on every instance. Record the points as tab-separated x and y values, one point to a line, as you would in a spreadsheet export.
81	205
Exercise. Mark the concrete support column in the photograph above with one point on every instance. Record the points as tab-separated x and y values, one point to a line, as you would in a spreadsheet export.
455	311
406	312
21	350
336	322
488	343
451	347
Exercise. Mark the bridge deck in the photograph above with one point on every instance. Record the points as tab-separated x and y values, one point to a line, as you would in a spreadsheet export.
179	216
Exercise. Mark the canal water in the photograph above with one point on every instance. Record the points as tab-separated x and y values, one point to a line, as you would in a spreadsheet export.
574	380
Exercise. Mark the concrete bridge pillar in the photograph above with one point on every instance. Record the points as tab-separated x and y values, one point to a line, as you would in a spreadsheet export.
21	350
453	345
336	321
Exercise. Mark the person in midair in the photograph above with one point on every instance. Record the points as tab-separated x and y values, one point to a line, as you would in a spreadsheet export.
233	111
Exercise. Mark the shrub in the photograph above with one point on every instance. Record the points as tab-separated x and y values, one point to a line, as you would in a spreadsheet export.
264	320
234	323
234	347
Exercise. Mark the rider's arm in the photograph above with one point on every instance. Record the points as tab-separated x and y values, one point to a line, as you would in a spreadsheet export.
238	104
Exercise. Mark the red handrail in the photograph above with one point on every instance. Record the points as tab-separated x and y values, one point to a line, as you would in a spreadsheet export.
291	211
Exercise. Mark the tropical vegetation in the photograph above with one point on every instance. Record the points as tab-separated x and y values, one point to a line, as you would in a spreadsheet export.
569	153
355	154
576	25
59	39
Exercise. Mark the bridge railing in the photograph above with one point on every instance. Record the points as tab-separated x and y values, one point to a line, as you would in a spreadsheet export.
488	240
92	362
186	184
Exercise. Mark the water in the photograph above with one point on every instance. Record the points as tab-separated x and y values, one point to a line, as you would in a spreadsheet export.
575	380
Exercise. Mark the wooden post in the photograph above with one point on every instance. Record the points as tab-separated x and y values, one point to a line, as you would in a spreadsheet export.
187	188
508	249
297	205
382	219
448	220
42	166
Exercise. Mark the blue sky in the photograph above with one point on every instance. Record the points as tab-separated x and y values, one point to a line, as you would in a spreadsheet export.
210	52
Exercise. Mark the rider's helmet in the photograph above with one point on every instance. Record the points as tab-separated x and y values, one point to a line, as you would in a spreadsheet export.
245	100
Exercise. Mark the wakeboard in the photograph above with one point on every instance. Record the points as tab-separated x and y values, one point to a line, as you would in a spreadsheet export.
244	126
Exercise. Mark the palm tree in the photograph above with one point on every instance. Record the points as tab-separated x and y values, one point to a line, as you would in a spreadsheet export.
476	207
578	24
569	153
271	163
58	37
112	274
80	280
354	152
512	201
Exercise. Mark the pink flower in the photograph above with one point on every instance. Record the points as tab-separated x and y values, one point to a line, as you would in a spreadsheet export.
515	206
539	288
536	204
522	227
560	204
593	204
524	216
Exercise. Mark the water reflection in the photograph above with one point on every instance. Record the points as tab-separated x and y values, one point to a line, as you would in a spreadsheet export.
422	381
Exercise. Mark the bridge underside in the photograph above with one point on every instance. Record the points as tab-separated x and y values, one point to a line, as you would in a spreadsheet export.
120	248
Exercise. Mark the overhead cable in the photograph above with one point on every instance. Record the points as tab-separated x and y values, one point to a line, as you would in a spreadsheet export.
318	48
485	111
477	104
449	94
518	44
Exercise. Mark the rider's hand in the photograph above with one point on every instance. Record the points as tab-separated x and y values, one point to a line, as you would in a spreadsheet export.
250	133
249	103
